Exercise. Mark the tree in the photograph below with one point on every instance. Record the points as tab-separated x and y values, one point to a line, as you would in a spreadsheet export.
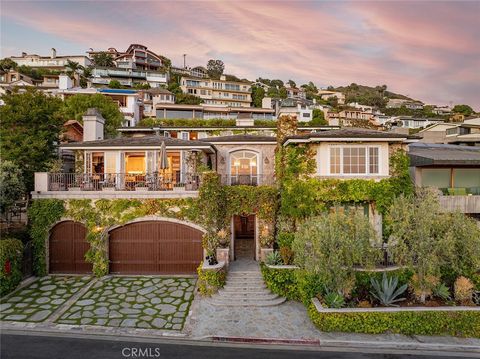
463	109
74	107
73	68
103	59
12	187
188	99
6	64
273	92
215	68
311	90
292	83
426	239
258	93
282	92
318	118
330	245
114	84
30	130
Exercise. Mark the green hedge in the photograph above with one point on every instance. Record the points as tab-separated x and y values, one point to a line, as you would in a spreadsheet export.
460	323
11	250
281	281
210	281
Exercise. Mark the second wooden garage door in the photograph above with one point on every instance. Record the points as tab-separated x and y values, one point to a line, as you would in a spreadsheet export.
155	247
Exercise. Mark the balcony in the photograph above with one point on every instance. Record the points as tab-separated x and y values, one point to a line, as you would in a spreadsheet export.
464	200
247	180
115	185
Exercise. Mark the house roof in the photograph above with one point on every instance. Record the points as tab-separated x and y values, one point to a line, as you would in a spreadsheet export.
150	141
347	134
427	154
240	139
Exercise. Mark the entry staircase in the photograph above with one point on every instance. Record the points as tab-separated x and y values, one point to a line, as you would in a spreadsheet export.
245	287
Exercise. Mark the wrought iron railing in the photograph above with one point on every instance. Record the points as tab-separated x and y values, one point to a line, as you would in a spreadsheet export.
155	181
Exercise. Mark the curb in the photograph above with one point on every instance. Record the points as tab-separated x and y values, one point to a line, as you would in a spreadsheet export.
299	344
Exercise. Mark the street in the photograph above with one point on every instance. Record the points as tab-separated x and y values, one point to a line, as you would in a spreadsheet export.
15	346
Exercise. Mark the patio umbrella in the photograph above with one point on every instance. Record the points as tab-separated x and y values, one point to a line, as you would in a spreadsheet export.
163	164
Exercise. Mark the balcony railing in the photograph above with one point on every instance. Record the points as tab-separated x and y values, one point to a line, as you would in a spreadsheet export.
122	182
247	180
460	191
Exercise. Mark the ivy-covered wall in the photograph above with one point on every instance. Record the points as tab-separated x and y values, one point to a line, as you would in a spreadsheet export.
212	210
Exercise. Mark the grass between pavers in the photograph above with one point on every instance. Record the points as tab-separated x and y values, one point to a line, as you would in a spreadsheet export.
39	300
134	302
456	323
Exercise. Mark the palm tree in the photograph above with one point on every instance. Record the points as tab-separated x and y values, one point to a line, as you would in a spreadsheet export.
103	59
72	68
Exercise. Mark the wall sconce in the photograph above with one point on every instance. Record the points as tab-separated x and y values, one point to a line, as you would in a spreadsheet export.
266	161
222	160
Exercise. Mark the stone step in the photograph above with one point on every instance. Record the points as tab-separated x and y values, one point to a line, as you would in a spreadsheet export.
243	275
245	279
245	285
232	289
253	296
247	302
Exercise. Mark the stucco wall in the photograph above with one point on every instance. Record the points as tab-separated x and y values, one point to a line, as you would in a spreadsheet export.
266	158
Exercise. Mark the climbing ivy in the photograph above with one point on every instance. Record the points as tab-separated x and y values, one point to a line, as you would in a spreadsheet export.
42	214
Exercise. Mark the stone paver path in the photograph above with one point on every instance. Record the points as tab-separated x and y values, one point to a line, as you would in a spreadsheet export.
134	302
39	300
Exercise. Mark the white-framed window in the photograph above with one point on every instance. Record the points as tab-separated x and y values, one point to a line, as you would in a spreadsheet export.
185	135
354	160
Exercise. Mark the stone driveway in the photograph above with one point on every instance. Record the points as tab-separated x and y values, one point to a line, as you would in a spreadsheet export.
134	302
41	299
129	302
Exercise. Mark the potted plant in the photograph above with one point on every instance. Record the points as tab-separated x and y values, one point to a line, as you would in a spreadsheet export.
223	249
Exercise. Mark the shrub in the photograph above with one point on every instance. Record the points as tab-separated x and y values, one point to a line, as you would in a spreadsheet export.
422	287
281	281
210	281
463	290
388	291
457	323
285	239
11	253
287	255
331	245
308	286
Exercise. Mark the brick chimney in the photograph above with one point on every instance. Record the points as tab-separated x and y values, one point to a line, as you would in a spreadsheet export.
93	125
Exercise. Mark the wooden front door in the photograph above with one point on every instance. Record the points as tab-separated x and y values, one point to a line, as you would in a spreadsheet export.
155	247
67	248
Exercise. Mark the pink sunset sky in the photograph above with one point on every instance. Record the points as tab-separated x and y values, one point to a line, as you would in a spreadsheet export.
428	50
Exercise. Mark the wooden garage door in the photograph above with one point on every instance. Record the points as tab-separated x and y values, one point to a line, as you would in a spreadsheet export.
67	248
155	247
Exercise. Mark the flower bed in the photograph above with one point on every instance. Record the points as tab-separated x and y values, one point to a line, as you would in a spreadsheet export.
458	321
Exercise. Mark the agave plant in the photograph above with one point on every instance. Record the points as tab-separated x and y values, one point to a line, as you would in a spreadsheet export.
333	300
387	292
274	258
441	291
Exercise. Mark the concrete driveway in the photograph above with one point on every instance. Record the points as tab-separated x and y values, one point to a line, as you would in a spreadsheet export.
148	302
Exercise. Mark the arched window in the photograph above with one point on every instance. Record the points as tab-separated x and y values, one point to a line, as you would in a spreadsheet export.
244	168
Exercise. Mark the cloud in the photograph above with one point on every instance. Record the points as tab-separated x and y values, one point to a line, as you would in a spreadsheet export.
429	51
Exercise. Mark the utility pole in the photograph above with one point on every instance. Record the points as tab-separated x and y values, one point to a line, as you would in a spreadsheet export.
184	61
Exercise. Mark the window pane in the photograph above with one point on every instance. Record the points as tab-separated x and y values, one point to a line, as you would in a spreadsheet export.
335	160
110	162
436	177
466	177
373	159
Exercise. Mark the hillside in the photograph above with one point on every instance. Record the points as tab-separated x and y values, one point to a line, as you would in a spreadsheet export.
367	95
